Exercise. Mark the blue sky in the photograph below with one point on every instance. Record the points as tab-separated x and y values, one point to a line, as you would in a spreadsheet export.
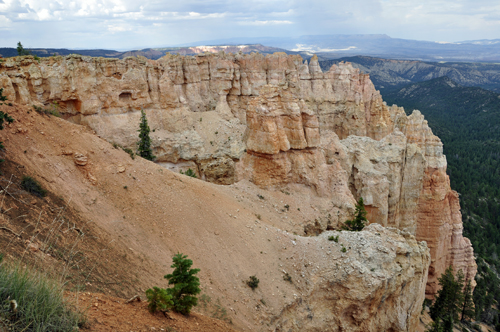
128	24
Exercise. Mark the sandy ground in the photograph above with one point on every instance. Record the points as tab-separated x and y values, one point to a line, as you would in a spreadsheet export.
107	313
132	216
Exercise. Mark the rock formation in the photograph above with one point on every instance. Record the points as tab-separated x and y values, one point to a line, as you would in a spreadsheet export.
274	120
381	270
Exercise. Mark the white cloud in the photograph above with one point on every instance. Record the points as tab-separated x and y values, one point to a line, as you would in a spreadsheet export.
273	22
4	22
119	28
127	23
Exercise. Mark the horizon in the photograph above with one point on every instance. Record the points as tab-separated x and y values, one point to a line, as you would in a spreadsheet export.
218	42
125	25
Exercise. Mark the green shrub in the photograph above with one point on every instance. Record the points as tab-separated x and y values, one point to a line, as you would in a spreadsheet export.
130	152
44	111
40	303
158	299
287	277
32	186
253	282
186	284
333	238
189	172
2	97
3	117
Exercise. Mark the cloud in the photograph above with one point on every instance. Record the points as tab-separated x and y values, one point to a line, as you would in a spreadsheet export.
273	22
148	23
4	22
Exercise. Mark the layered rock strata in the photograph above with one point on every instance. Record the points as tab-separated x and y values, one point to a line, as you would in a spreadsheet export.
275	120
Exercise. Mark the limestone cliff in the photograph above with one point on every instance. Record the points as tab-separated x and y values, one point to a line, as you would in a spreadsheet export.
274	120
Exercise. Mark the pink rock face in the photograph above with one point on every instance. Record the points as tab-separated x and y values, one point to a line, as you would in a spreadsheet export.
327	131
439	221
275	122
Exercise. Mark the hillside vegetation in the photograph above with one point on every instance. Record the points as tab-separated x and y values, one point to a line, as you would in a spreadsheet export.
467	119
387	74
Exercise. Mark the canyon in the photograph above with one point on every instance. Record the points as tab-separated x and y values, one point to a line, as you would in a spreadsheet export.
278	124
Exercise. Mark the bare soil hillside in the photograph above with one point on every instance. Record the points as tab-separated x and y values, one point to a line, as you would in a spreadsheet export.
111	224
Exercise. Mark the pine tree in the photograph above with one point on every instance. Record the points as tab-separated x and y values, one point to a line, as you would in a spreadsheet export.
359	221
449	299
186	284
144	143
468	304
21	50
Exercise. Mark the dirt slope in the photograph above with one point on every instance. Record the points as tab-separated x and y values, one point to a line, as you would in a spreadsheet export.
138	215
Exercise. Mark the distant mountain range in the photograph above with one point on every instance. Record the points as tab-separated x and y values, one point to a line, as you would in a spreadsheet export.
153	53
325	46
389	74
337	46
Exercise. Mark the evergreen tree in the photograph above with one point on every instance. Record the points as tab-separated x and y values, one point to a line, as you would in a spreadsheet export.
144	143
468	304
186	284
158	299
449	299
436	326
359	221
21	50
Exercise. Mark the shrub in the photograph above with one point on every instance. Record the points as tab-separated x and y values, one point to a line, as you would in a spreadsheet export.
287	277
190	173
186	284
333	238
3	116
33	186
253	282
158	299
44	111
130	152
2	97
40	303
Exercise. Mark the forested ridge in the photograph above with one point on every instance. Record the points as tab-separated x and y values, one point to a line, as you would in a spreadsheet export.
467	119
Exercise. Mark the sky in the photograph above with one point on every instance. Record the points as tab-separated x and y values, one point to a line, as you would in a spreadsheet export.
134	24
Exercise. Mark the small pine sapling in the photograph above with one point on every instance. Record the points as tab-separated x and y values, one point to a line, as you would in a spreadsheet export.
359	221
186	284
158	299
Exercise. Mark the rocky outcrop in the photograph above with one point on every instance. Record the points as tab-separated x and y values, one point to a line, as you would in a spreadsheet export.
388	174
274	120
380	271
439	221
